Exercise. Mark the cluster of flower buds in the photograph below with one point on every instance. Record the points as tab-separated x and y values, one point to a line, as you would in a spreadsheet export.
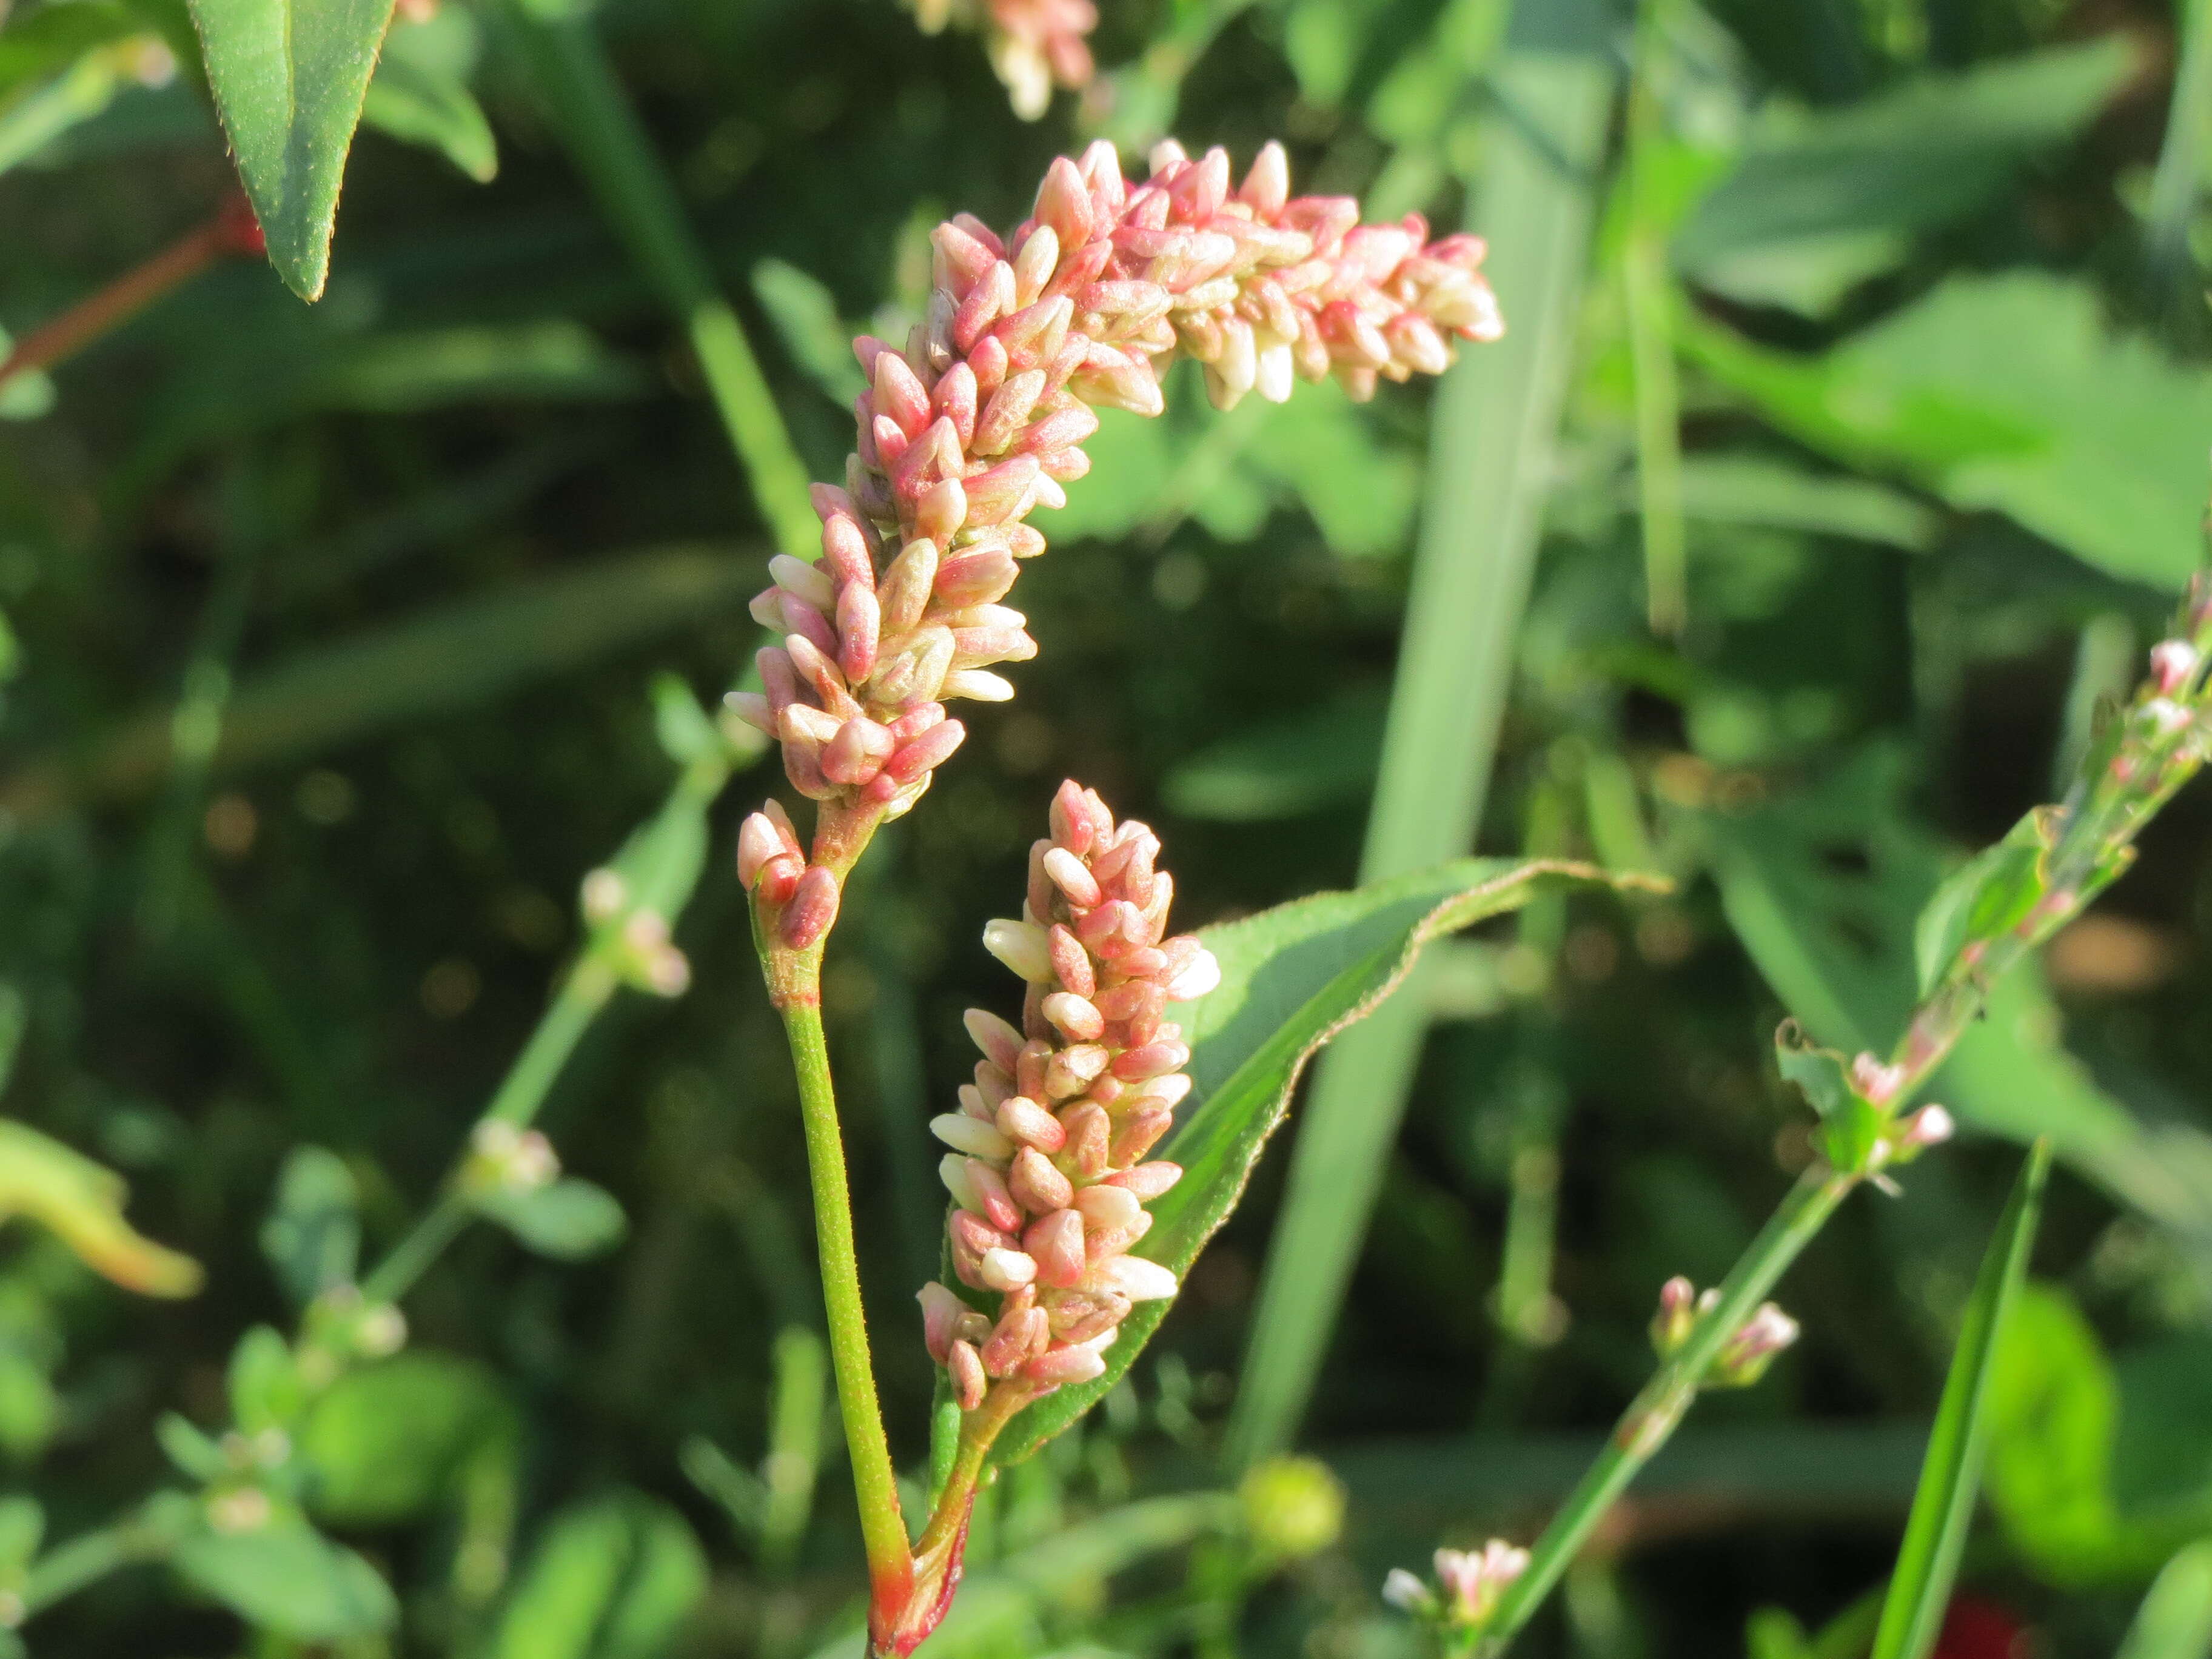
505	1160
1035	45
982	418
646	958
1047	1171
1744	1358
1468	1585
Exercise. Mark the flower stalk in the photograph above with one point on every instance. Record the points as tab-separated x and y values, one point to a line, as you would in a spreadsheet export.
1991	914
963	433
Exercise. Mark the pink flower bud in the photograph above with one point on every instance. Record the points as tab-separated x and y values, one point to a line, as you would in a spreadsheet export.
994	1202
1069	1072
1021	1119
1060	1366
941	1313
1022	1332
860	623
1135	1277
971	1135
1056	1242
857	753
1006	1270
757	843
812	908
1931	1126
1151	1060
969	1382
1104	1205
1139	1130
1071	962
1069	875
1037	1186
1074	1017
1147	1180
955	400
1000	1042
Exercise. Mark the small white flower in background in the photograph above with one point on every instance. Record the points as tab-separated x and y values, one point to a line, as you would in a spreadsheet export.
1470	1583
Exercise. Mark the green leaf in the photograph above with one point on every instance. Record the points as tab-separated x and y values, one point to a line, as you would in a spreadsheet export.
266	1389
288	78
1292	978
2053	1411
1837	190
285	1576
1850	1123
1319	758
613	1578
312	1237
1984	898
387	1443
569	1220
421	95
1944	1506
22	1524
1774	1633
686	734
195	1456
448	657
1754	491
805	314
2009	394
2175	1620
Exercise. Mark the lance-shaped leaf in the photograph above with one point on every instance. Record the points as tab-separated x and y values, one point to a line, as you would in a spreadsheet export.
1292	978
288	78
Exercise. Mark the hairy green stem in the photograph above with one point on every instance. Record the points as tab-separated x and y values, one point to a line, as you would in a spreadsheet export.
1658	1409
882	1528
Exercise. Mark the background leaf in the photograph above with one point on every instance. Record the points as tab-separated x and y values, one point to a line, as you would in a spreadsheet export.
614	1578
285	1576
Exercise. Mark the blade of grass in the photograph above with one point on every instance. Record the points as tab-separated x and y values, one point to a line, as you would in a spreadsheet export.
1496	422
594	119
2175	1621
1950	1478
1647	289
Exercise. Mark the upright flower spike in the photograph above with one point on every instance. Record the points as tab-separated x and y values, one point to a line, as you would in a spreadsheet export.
982	418
1048	1168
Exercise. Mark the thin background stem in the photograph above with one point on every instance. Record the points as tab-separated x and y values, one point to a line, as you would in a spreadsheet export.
1655	1412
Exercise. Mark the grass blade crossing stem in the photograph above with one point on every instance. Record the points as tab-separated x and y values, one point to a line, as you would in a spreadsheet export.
1496	420
1943	1505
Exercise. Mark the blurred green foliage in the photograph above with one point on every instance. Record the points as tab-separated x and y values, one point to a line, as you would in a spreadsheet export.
338	644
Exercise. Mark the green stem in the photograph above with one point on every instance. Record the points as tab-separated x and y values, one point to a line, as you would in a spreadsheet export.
520	1096
595	121
86	1559
1655	1413
882	1528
